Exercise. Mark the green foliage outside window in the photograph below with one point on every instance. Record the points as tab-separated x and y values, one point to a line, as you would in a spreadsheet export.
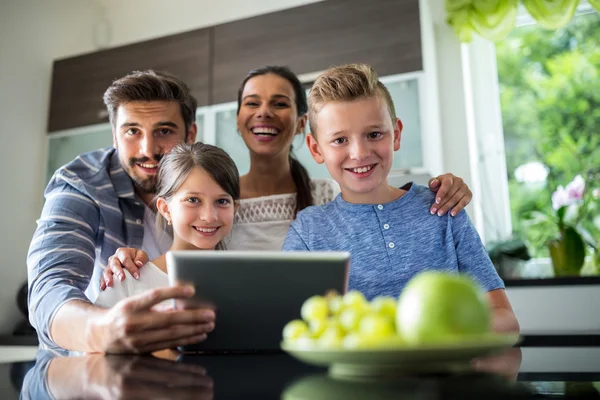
550	97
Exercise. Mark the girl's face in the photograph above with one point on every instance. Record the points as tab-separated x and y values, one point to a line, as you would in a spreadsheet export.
268	119
201	212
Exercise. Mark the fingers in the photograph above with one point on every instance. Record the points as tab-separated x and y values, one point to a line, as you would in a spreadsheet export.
452	198
131	259
463	202
115	268
171	333
146	300
106	280
140	258
445	181
172	343
434	184
164	320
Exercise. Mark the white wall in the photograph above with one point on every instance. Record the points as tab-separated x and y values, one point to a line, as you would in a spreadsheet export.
32	34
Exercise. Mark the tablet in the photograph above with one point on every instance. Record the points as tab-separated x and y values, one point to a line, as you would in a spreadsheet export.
254	294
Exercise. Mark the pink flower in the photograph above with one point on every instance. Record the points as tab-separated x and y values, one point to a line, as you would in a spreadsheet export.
560	198
569	195
576	188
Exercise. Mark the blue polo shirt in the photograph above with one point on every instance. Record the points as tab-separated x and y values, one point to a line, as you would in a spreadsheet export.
390	243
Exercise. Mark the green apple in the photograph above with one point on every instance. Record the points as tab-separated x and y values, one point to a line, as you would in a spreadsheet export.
439	307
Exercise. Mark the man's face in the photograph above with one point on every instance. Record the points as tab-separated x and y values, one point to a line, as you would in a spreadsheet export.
143	132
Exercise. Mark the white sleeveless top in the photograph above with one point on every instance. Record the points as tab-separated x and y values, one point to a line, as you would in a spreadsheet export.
262	223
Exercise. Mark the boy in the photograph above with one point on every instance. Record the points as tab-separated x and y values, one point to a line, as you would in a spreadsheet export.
389	232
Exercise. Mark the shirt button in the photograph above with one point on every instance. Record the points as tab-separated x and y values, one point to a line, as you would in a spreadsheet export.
386	226
137	203
380	207
391	245
138	221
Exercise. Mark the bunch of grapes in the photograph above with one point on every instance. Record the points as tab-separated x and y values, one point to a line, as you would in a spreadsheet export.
344	322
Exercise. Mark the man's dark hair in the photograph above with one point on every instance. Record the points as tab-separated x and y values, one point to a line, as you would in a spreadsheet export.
151	85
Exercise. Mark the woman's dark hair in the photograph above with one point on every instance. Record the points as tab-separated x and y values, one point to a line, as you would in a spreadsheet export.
176	166
299	173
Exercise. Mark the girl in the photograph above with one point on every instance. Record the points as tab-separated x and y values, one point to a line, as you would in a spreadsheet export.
197	193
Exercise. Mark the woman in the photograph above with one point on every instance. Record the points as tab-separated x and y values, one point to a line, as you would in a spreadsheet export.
271	111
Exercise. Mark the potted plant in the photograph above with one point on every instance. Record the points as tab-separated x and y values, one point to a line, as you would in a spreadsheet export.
572	206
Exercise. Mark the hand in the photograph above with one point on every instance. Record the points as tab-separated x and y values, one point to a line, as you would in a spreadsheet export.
451	193
138	325
125	257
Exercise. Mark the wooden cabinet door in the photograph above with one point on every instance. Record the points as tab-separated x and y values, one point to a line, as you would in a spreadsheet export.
311	38
78	83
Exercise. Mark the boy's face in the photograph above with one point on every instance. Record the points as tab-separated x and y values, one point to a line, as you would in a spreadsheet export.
356	140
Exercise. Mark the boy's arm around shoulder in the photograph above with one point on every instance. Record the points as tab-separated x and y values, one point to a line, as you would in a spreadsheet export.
473	260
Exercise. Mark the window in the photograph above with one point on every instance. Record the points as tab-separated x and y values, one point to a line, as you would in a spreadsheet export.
550	99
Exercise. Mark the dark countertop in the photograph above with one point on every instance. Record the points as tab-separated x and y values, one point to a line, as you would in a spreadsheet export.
526	372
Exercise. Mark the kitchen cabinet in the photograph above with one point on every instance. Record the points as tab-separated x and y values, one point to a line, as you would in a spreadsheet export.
78	83
311	38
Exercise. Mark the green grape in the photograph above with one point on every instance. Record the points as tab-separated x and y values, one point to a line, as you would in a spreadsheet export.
385	305
350	318
305	342
331	338
375	326
335	305
314	308
294	329
354	299
356	341
390	342
317	327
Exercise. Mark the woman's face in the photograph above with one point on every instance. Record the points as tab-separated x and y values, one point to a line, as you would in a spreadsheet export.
201	212
268	119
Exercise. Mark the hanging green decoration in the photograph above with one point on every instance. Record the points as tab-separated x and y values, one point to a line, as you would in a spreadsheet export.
551	14
459	20
595	4
494	19
491	19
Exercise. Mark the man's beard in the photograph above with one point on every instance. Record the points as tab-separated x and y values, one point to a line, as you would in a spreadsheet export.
143	185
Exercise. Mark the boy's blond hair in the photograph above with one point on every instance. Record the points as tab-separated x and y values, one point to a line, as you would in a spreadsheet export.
346	83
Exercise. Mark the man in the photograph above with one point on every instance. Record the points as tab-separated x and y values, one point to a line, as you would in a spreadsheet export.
100	202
